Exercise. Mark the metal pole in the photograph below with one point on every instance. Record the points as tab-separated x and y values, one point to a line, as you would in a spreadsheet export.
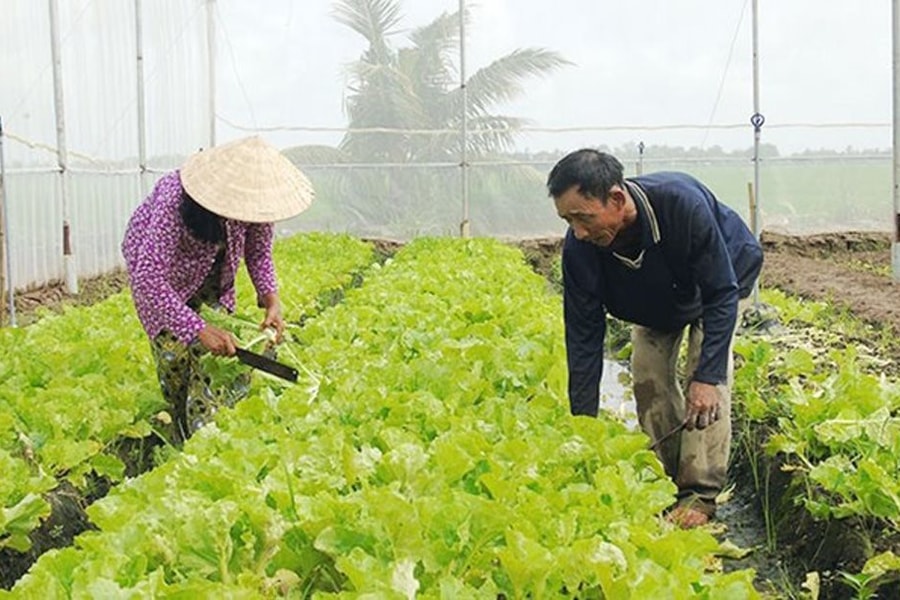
211	67
757	124
141	123
895	246
6	266
71	272
640	165
752	204
757	121
464	227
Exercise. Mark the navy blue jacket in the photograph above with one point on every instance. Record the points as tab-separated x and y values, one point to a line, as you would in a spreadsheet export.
698	258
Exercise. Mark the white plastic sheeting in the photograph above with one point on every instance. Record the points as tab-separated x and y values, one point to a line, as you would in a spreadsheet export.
652	72
98	58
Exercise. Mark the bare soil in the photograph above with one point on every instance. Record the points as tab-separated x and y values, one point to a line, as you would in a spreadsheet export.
36	300
850	269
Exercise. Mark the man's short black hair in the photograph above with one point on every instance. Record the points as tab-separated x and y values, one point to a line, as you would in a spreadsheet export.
594	172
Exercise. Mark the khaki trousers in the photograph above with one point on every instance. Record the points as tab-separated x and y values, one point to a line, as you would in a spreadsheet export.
697	461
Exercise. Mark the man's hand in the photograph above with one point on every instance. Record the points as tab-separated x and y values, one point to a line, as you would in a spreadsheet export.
702	406
273	316
217	341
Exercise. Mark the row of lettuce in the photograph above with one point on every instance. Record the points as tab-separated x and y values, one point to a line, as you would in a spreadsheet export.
427	451
819	404
74	384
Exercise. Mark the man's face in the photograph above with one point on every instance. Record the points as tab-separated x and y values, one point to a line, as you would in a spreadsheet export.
590	219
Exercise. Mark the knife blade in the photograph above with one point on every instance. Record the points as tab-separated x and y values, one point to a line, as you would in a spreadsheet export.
672	432
263	363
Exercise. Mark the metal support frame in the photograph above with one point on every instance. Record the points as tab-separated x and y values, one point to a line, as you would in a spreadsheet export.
141	103
71	271
5	260
757	120
640	163
464	226
211	68
895	246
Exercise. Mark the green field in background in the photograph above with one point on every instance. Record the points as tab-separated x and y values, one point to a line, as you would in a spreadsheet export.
805	196
796	196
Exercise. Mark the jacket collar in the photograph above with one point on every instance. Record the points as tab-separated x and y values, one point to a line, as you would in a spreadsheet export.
650	233
646	219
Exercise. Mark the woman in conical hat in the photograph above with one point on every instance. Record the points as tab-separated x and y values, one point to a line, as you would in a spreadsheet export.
182	249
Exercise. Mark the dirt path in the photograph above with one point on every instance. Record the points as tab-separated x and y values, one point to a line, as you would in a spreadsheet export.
53	296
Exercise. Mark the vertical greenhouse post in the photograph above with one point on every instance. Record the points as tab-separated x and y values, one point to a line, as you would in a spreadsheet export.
895	246
141	126
71	273
757	121
464	228
211	67
5	260
640	163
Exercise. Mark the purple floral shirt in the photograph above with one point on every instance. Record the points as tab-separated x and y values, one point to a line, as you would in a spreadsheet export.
167	265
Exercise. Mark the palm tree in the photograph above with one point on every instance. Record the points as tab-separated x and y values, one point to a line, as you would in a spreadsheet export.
413	90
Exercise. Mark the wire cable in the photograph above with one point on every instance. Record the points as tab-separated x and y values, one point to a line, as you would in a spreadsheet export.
569	129
234	68
48	65
715	107
150	78
33	144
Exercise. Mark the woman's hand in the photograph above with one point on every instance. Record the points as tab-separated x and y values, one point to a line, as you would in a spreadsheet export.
273	316
217	341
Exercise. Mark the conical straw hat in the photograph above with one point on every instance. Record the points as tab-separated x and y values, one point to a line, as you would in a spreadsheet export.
247	180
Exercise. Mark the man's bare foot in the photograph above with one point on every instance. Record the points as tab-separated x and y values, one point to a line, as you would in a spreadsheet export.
687	517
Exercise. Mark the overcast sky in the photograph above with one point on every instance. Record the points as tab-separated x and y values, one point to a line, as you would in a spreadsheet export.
644	64
636	63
